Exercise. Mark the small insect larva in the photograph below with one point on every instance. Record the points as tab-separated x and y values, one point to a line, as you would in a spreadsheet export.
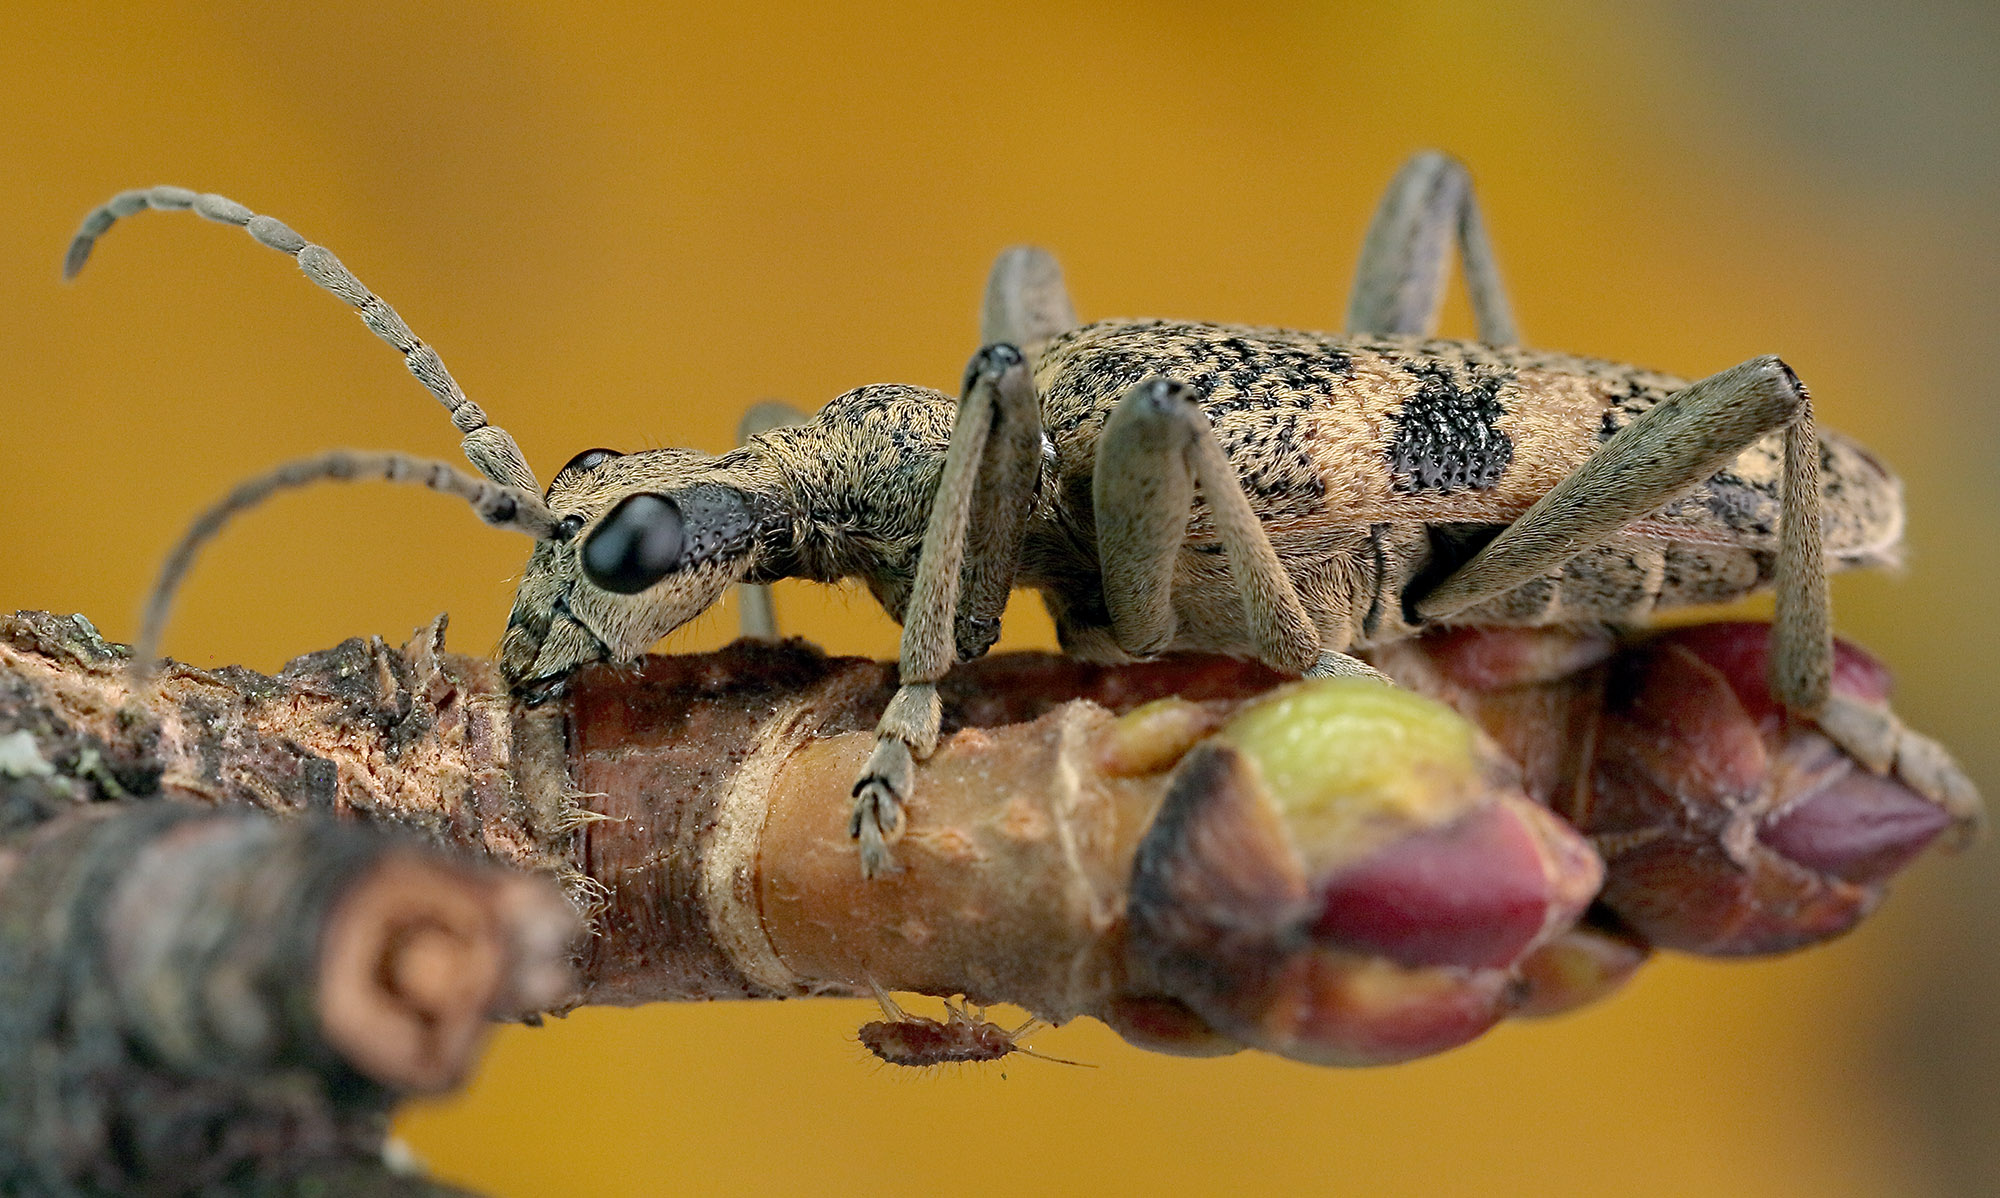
965	1034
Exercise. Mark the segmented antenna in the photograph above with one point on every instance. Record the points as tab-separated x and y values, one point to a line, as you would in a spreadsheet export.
500	506
491	450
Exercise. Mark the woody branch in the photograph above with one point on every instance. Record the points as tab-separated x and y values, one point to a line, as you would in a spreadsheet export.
1166	847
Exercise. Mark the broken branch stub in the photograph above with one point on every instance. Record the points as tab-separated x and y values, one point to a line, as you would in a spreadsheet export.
192	993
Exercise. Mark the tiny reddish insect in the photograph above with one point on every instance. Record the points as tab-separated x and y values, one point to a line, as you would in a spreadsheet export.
965	1034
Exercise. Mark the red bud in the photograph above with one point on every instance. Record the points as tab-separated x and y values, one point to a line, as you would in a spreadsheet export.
1859	827
1348	875
1728	826
1479	891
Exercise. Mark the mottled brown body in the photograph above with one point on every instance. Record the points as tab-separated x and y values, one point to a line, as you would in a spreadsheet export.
1265	493
1376	464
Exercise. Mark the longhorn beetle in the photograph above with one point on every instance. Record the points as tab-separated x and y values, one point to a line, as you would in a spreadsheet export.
1174	485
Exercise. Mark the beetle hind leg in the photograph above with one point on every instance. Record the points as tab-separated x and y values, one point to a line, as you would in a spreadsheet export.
1655	459
1802	650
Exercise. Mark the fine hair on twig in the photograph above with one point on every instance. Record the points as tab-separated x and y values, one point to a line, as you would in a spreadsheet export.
491	450
498	505
964	1035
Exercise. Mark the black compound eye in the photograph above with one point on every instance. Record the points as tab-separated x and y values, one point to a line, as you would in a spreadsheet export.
589	459
581	464
637	545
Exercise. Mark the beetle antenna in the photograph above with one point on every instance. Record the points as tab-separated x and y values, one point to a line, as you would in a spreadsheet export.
500	506
491	450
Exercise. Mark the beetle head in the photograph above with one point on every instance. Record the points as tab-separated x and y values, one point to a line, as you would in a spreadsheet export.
644	543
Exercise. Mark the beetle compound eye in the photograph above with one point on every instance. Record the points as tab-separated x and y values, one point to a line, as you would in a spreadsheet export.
578	466
589	459
639	543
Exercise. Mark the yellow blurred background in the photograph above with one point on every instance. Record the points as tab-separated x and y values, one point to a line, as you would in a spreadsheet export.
623	224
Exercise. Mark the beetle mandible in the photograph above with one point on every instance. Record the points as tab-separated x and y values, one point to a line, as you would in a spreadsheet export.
1176	485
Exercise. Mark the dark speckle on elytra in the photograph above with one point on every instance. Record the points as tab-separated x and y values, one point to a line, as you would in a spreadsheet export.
1740	505
1448	435
1258	388
1627	404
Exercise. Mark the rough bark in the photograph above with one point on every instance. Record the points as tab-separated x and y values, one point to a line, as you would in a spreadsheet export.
177	959
197	997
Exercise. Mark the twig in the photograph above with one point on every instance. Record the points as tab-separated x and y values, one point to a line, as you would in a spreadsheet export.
1342	872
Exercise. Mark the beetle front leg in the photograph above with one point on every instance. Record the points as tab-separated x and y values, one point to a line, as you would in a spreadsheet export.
991	468
1406	257
1155	447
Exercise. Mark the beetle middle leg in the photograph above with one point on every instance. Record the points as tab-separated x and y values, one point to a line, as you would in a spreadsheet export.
1156	446
1026	303
759	617
1685	438
1406	257
965	569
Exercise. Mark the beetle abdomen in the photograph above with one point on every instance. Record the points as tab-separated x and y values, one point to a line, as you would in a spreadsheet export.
1331	433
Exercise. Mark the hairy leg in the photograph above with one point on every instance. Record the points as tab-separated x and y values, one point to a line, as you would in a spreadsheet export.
990	470
1406	258
1156	447
759	615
